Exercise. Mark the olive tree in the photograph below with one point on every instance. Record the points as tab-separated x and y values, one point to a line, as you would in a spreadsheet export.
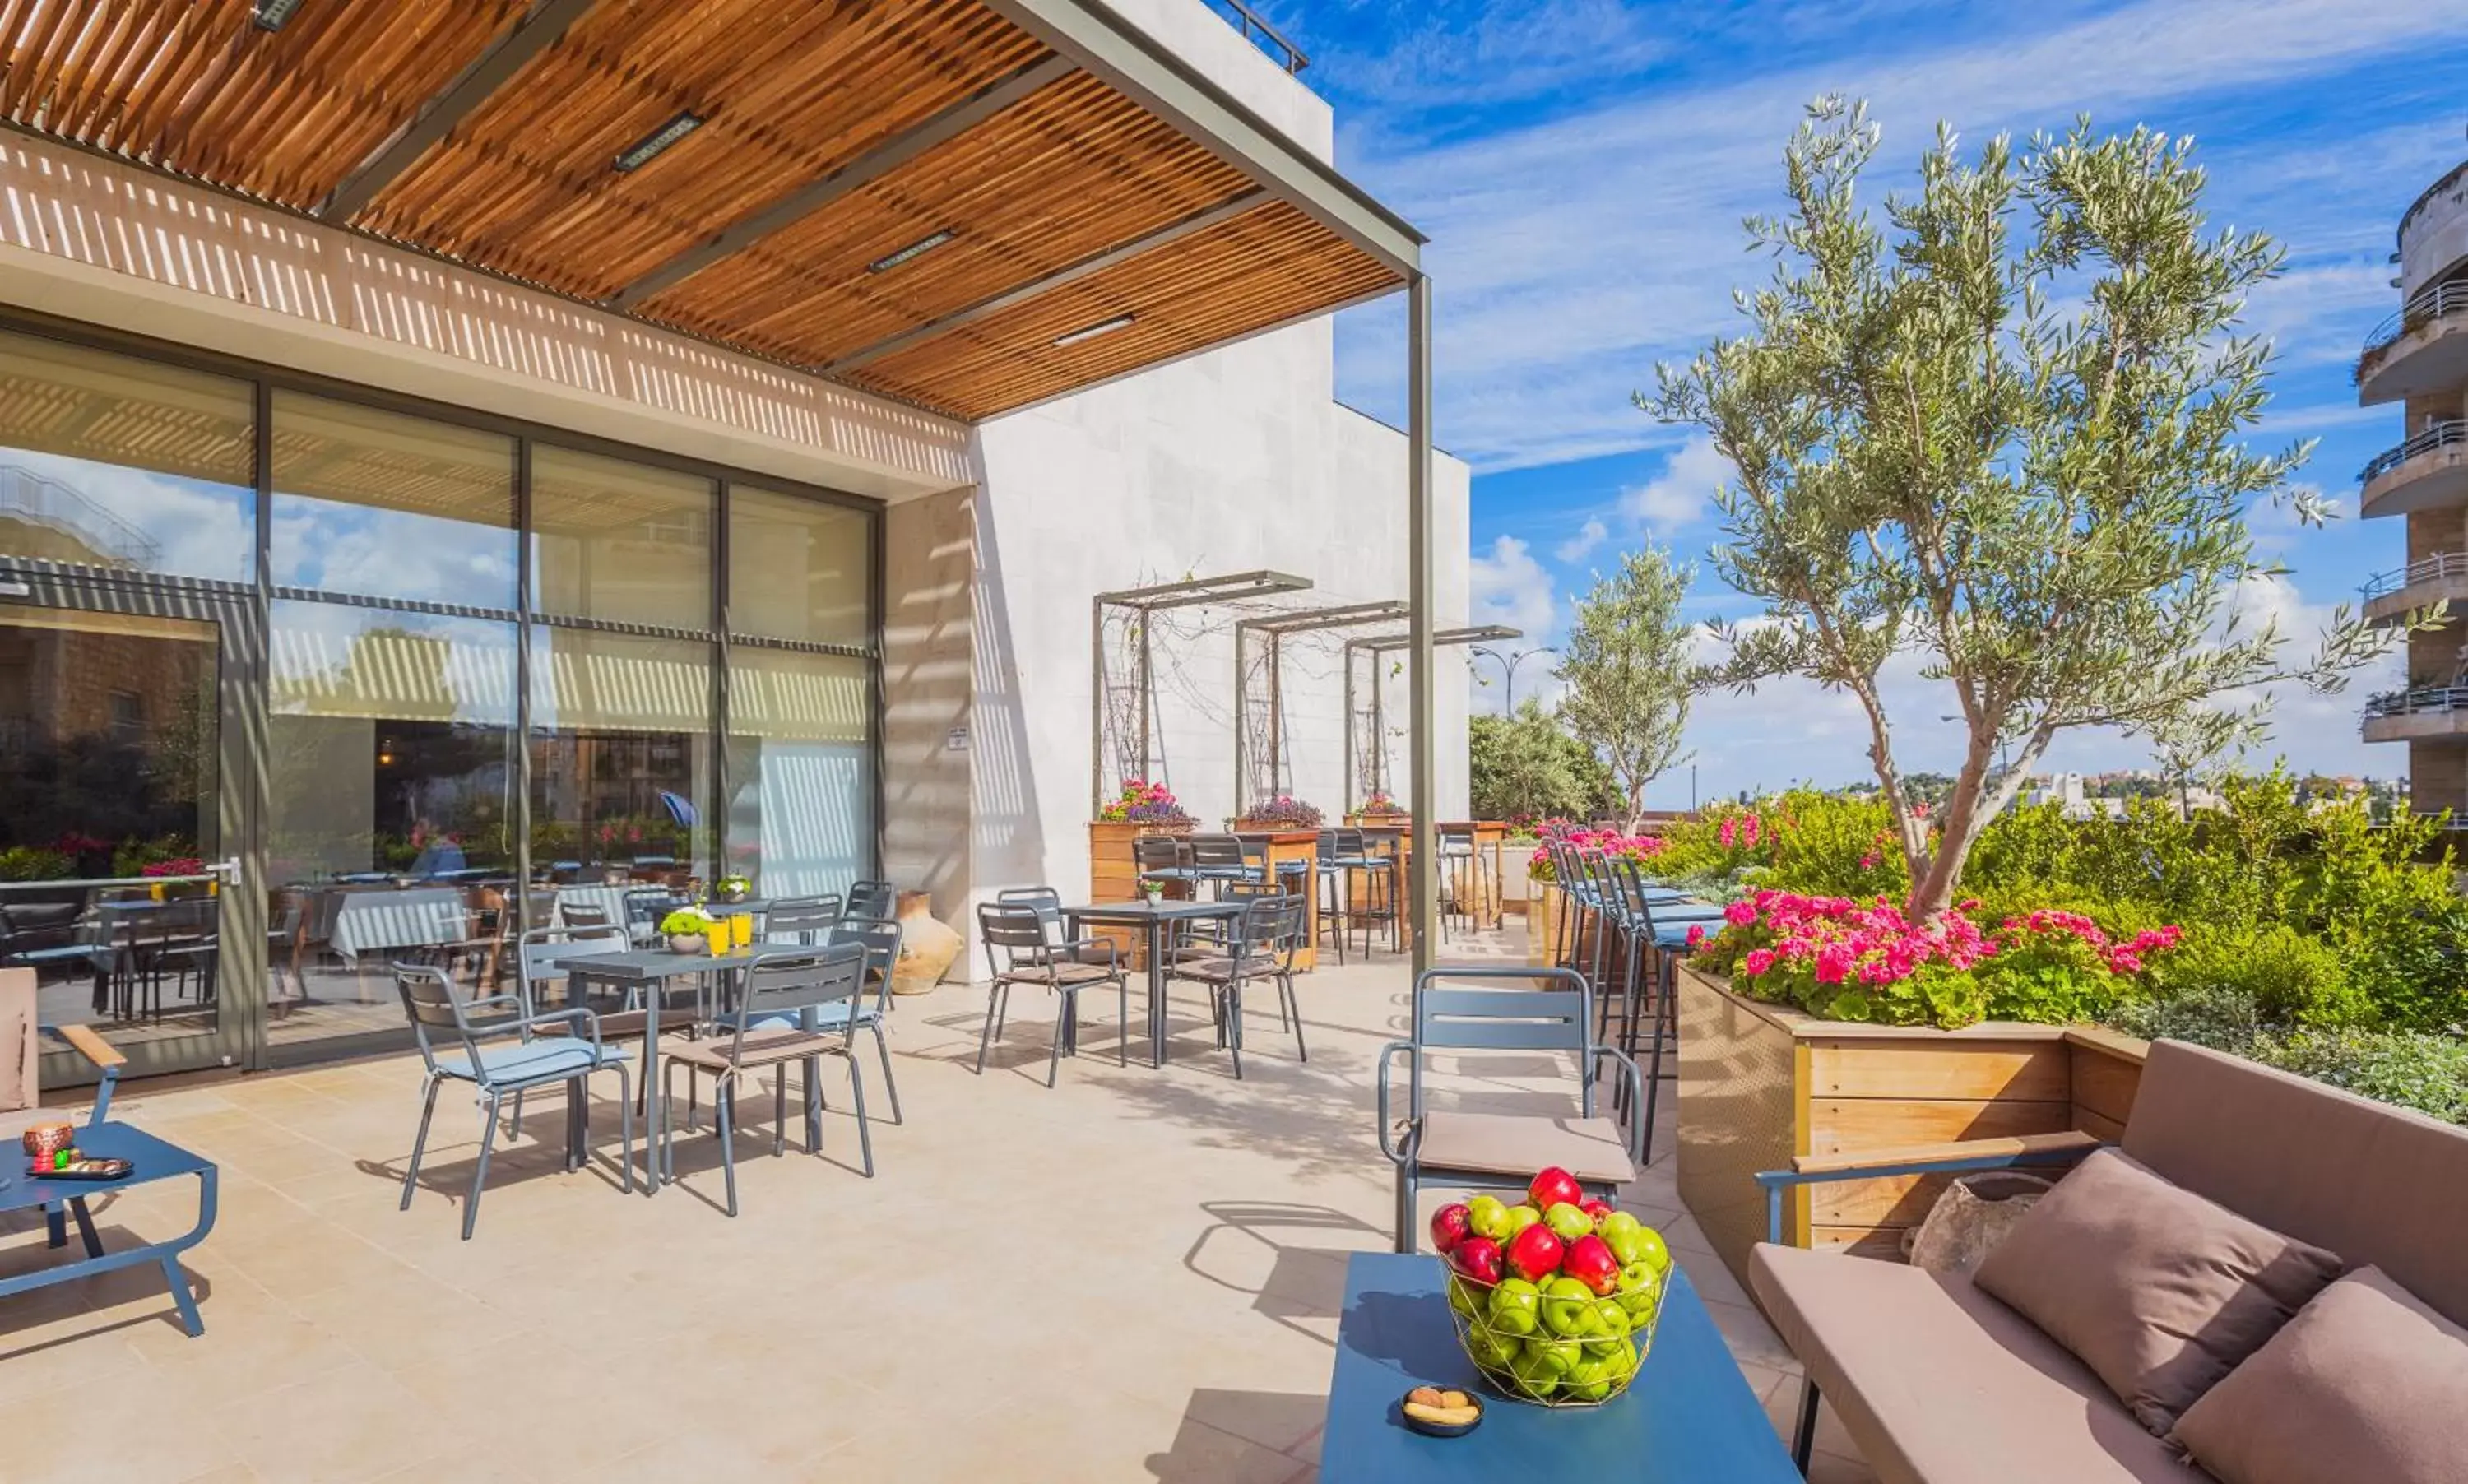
1629	671
2001	432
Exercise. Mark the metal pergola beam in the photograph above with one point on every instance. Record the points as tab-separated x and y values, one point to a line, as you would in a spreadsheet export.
1423	872
478	82
983	308
876	162
1383	643
1276	626
1188	593
1118	51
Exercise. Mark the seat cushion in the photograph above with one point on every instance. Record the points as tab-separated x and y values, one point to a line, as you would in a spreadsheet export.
1937	1381
559	1055
2158	1290
764	1045
2366	1383
1590	1148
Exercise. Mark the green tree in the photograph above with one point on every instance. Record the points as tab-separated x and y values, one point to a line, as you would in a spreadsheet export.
2006	438
1527	766
1628	673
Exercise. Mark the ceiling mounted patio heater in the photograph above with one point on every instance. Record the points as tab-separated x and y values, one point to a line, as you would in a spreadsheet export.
1145	601
1376	774
1275	627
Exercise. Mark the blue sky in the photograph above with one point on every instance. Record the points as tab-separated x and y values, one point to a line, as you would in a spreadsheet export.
1582	167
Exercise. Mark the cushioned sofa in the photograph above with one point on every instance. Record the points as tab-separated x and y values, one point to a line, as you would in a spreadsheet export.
1937	1380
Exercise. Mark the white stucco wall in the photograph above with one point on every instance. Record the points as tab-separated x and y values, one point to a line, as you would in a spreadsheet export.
1235	461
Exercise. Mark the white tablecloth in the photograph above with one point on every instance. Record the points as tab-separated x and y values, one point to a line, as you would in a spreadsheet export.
413	917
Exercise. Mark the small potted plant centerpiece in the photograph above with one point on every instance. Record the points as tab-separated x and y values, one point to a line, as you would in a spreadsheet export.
732	889
687	929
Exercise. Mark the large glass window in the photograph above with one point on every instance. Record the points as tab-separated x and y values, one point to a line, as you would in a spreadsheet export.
617	541
114	462
621	758
799	568
380	505
800	769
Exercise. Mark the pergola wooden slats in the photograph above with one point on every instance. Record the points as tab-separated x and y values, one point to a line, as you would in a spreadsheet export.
1055	160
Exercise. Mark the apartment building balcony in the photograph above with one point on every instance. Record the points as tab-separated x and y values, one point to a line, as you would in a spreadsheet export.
2440	578
2424	712
2423	347
2427	471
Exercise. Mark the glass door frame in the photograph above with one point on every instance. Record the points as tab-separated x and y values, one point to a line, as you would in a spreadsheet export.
238	1039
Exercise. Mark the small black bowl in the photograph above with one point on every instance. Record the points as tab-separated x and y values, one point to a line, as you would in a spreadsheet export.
1435	1429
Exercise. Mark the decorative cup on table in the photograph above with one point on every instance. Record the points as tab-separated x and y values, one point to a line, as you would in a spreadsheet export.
44	1141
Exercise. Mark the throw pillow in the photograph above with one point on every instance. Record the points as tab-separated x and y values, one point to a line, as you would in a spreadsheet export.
2366	1383
2158	1290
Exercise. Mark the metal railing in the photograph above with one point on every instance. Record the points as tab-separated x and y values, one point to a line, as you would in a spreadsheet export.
2435	568
40	500
1260	33
2420	701
2441	435
2429	304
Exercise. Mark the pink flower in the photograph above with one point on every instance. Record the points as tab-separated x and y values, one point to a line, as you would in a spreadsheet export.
1695	935
1740	914
1756	961
1868	862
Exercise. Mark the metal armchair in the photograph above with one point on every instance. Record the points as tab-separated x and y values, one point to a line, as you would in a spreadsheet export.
1019	951
1259	944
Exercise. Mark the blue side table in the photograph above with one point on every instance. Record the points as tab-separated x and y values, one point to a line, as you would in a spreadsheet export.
155	1159
1688	1417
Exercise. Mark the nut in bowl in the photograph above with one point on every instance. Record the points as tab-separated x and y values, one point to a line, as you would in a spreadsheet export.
1440	1413
1555	1298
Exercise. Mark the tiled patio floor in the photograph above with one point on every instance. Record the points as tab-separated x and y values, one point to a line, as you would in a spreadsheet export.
1134	1276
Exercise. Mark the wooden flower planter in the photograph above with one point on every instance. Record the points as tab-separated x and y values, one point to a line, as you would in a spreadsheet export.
1761	1085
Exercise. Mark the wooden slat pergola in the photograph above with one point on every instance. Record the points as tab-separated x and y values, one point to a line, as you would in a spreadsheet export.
969	206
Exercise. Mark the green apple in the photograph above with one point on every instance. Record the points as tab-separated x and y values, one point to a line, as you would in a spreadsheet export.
1520	1217
1568	1222
1559	1356
1621	1363
1464	1298
1516	1306
1491	1350
1641	1289
1625	1235
1651	1248
1612	1325
1535	1376
1569	1307
1591	1380
1488	1216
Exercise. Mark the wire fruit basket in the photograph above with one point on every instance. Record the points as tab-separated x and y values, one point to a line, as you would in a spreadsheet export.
1556	1345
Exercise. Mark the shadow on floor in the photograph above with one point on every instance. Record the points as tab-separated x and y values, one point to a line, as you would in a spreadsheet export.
1217	1424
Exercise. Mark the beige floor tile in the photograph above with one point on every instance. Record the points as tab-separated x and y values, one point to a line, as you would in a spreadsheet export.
159	1433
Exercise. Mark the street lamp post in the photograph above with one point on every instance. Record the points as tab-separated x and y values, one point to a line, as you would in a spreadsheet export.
1508	663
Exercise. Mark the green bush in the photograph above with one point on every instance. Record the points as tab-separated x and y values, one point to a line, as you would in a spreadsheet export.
2291	978
33	863
2411	1068
2224	1018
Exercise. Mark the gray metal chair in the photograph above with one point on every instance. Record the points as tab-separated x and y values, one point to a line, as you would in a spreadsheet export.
1502	1151
871	899
1218	858
800	920
1163	857
1460	877
1261	946
581	914
1019	951
778	1020
880	937
501	1070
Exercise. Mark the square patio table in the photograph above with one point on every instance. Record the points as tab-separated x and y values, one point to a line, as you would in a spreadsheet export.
1153	918
155	1159
1688	1416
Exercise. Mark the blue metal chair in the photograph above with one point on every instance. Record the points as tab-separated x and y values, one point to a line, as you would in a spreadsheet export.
777	1021
871	899
880	938
1502	1151
498	1072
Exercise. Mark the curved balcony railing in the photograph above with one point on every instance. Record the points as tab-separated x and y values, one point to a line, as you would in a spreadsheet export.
2435	568
2429	304
2422	701
2441	435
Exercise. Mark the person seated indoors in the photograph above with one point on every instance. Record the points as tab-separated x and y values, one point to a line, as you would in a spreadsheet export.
440	852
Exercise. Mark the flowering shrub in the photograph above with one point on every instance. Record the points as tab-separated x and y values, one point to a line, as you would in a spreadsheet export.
177	865
1282	813
1144	803
1611	842
1381	804
1848	960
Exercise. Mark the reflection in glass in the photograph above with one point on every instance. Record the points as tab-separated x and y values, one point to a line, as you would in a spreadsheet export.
114	462
389	827
798	568
618	541
800	771
621	750
380	504
109	736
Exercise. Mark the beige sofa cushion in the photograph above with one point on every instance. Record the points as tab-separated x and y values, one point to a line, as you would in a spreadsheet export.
2158	1290
1590	1148
1938	1383
2366	1383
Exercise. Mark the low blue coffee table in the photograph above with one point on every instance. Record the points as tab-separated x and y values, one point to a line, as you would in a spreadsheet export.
154	1160
1689	1416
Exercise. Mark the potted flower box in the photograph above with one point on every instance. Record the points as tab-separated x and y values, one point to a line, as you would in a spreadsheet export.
1141	809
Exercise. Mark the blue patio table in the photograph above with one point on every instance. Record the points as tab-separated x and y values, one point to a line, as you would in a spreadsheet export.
153	1159
1688	1418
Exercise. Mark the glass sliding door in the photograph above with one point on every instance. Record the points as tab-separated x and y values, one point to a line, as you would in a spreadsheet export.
620	762
800	769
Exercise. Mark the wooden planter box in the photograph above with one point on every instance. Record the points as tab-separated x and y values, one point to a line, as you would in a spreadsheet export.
1761	1085
1115	877
1303	845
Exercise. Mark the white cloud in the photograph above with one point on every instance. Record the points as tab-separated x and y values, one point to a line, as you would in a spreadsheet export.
1580	546
1673	499
1508	587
